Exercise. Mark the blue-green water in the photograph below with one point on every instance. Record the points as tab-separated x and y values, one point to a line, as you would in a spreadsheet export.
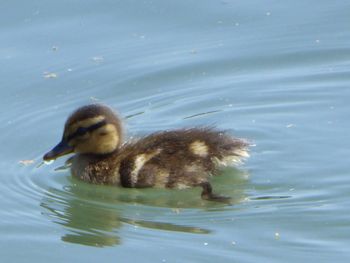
275	72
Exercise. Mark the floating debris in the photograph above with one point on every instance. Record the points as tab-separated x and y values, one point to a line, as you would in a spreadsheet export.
94	98
98	59
134	114
201	114
277	235
290	125
176	210
50	75
26	162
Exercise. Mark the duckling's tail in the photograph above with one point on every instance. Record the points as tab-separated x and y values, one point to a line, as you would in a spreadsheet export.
233	152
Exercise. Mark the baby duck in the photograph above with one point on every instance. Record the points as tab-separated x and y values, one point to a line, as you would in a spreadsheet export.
168	159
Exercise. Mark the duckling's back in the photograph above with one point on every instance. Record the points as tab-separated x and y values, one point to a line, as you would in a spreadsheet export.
178	159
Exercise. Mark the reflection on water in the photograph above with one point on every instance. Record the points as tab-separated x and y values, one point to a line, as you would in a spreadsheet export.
93	215
88	225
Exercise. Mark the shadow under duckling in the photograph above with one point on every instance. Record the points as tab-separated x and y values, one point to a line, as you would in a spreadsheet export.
169	159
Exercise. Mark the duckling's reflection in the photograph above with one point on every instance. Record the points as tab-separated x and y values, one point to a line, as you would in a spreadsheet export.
93	214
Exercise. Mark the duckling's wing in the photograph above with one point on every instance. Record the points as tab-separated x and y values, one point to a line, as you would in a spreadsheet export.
179	158
199	143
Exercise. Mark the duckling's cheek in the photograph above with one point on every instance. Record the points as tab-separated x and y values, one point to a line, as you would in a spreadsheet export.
82	148
105	144
106	138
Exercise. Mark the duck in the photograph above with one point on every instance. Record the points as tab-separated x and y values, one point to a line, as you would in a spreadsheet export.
175	159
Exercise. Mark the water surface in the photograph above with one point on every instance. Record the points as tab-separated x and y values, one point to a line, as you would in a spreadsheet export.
274	72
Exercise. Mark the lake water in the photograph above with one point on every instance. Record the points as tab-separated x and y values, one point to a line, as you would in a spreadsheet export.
274	72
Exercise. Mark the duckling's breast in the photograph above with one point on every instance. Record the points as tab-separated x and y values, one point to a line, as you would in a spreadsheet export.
94	169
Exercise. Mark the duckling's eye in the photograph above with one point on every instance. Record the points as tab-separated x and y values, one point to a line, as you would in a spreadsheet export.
81	131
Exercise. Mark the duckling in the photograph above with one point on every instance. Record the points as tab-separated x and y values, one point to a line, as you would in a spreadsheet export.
168	159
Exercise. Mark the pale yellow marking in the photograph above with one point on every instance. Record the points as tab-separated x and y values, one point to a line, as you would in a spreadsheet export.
237	158
161	178
116	177
199	148
242	153
84	123
181	186
140	160
193	168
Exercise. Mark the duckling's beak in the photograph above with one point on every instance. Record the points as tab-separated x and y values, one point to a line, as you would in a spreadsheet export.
60	149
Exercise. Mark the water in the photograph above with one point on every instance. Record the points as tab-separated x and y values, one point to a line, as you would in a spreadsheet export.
274	72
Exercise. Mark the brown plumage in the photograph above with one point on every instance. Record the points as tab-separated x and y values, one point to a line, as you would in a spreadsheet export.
170	159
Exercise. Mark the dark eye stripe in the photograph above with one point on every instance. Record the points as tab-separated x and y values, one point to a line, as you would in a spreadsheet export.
83	130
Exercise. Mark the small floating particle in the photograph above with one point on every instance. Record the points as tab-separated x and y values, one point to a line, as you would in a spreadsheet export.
277	235
94	98
268	13
236	24
193	51
176	210
205	244
98	59
289	125
50	75
26	162
233	243
69	69
317	41
54	48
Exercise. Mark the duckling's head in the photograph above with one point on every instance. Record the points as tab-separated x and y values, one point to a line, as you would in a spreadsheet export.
91	129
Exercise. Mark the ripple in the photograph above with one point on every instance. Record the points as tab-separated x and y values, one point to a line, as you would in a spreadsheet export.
93	215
